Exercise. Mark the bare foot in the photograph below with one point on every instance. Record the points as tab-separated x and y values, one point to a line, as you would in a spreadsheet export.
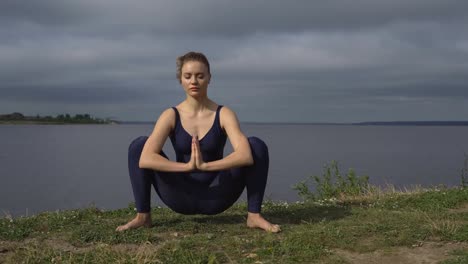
142	219
257	221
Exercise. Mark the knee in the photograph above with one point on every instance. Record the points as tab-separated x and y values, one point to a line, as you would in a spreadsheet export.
137	145
257	143
258	147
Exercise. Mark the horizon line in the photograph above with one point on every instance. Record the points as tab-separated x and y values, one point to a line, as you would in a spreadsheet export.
417	122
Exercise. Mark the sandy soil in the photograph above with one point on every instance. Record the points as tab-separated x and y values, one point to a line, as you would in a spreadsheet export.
425	253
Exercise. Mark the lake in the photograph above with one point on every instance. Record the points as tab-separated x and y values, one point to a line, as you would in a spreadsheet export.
55	167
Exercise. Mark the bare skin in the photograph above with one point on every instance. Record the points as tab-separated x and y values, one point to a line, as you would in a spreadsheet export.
195	79
142	219
254	220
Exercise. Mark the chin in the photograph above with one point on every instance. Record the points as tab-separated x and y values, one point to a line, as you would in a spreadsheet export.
196	94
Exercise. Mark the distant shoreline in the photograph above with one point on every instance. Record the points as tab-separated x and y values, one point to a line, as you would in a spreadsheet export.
414	123
17	118
25	122
372	123
376	123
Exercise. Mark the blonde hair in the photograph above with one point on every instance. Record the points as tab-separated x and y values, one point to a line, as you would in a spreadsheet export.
190	56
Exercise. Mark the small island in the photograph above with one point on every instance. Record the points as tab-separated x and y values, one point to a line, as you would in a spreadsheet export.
19	118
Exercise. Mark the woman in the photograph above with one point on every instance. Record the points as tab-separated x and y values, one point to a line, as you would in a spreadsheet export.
201	180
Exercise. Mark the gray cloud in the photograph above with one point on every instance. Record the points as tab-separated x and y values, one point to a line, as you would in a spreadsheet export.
230	17
337	58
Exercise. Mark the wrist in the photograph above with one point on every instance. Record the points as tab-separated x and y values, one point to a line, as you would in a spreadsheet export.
188	167
204	166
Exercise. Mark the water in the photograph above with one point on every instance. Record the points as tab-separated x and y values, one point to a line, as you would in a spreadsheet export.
51	167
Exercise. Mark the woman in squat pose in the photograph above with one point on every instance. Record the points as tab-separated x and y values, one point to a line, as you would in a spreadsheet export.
201	180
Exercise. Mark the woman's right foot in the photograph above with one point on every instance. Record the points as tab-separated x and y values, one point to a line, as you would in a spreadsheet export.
142	219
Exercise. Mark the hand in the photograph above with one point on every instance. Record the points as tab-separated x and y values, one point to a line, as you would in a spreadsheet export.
192	165
197	155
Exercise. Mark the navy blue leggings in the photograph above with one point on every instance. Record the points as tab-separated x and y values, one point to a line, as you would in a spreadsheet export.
184	195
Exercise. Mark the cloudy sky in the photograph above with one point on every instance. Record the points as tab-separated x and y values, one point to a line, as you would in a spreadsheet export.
272	60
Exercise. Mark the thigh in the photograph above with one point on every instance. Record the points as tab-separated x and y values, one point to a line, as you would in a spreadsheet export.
221	194
183	195
175	192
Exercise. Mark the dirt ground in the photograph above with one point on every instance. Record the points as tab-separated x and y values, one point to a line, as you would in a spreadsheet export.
426	253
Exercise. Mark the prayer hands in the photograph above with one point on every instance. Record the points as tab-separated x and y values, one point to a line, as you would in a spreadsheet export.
196	159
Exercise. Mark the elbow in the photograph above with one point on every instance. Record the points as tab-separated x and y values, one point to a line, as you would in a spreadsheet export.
143	163
249	160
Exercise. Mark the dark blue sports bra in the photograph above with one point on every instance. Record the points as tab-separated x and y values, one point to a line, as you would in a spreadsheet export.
211	145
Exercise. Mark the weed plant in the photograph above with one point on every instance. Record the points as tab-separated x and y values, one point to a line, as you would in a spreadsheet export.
464	173
332	184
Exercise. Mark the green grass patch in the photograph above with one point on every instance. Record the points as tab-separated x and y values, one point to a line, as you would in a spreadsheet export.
344	217
458	257
312	231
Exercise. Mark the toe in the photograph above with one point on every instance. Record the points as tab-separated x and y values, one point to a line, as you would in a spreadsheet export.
121	228
275	229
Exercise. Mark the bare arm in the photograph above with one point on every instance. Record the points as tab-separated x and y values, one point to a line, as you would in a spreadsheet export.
241	155
150	157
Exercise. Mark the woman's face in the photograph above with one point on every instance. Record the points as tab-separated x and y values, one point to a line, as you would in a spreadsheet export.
195	78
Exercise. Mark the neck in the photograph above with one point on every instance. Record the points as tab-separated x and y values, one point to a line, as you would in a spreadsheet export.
197	104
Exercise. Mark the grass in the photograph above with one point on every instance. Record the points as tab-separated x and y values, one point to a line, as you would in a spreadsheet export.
313	232
346	220
461	257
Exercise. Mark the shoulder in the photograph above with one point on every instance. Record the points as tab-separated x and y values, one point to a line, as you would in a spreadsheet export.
167	117
227	117
168	113
227	112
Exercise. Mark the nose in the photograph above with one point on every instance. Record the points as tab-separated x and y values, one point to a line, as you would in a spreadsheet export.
194	79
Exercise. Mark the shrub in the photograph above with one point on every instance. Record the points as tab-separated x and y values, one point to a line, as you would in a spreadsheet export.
331	184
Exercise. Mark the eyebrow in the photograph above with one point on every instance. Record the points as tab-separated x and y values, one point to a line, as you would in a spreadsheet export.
185	73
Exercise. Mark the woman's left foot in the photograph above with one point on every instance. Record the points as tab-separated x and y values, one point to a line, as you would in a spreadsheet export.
142	219
255	220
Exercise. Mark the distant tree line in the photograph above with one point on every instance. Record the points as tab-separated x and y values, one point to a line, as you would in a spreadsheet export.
62	118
